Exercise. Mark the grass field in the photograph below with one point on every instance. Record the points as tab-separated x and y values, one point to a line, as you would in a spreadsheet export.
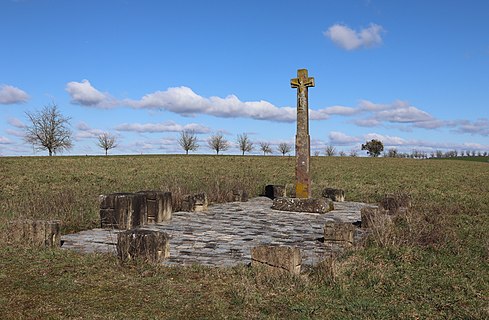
433	263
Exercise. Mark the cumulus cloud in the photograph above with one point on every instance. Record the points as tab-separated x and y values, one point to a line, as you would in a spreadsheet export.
396	112
12	95
349	39
386	140
186	102
341	139
168	126
83	93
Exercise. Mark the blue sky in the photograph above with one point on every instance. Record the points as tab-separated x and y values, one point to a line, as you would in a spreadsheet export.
414	74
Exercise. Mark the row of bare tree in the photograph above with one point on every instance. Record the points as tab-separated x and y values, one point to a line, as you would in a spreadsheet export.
218	143
49	130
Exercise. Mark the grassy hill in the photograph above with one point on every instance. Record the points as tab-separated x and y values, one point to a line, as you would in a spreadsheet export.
432	263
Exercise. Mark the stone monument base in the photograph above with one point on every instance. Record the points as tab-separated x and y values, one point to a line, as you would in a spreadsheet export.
313	205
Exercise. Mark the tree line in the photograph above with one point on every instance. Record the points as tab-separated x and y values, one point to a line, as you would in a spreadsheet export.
49	130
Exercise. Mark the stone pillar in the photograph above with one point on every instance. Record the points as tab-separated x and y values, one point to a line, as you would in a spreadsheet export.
277	258
151	246
38	233
122	210
302	139
158	206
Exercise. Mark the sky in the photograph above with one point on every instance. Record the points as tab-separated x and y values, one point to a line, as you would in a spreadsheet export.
413	74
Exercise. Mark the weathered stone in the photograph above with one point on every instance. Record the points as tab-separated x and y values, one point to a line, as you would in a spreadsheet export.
302	139
374	217
128	210
395	203
337	195
195	202
273	191
339	232
314	205
240	195
38	233
149	245
277	258
158	206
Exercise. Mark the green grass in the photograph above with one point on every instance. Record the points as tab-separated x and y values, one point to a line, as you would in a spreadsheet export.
432	264
471	158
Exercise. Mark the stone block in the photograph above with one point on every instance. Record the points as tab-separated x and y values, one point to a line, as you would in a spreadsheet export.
38	233
334	194
279	258
273	191
374	216
395	203
122	210
158	206
148	245
339	233
195	202
314	205
240	195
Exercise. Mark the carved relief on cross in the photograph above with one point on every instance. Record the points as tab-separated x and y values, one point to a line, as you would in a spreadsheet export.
302	82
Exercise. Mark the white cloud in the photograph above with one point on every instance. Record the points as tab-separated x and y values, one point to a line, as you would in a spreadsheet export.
367	122
386	140
12	95
4	140
340	139
168	126
83	93
14	122
396	112
184	101
407	114
349	39
86	132
480	127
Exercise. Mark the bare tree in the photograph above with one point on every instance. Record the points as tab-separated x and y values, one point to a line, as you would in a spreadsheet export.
353	153
342	153
330	151
107	141
265	147
188	141
49	130
317	153
283	148
217	142
245	144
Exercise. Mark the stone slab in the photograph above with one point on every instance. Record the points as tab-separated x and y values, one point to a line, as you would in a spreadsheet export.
314	205
225	234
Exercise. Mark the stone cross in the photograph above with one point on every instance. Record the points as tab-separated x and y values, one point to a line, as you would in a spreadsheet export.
302	139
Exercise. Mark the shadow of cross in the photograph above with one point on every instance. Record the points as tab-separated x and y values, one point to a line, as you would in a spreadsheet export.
302	139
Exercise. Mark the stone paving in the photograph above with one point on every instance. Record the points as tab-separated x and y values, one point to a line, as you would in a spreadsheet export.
225	234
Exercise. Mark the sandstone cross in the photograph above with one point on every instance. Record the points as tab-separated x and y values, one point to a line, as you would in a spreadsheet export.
302	139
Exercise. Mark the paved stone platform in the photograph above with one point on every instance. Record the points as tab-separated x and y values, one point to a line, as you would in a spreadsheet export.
225	234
